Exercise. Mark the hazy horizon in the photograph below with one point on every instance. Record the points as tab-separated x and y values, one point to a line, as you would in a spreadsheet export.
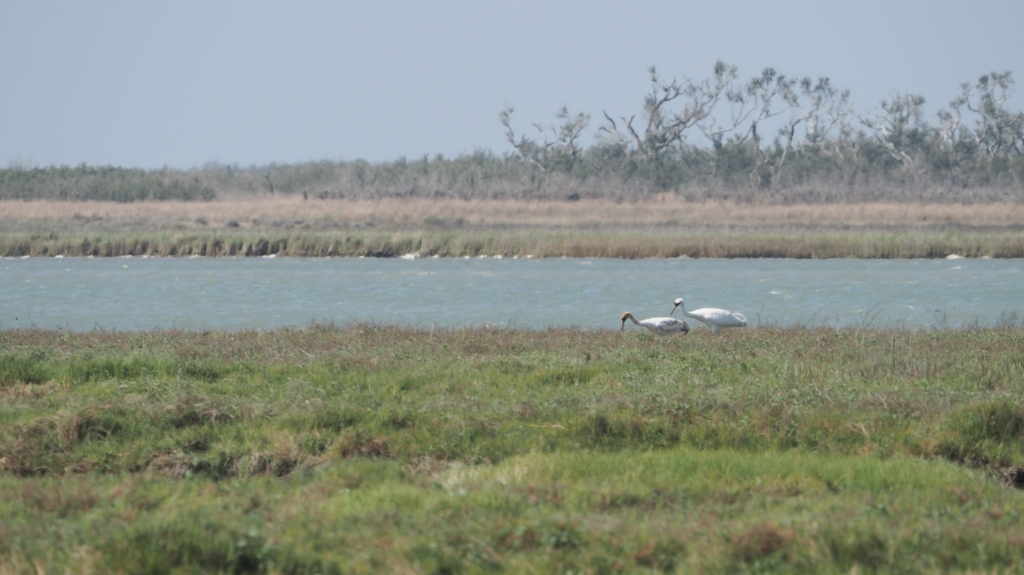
113	83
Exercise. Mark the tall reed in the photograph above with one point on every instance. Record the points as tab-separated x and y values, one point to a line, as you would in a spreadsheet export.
629	244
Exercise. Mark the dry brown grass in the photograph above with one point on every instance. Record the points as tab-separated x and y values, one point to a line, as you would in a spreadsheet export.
663	210
661	226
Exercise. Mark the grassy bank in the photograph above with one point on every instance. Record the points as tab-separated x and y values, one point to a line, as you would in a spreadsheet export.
378	448
663	226
525	242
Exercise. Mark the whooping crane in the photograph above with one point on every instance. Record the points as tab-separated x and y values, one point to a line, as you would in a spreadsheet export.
658	325
712	317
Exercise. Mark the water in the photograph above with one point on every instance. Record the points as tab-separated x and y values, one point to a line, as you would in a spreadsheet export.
227	293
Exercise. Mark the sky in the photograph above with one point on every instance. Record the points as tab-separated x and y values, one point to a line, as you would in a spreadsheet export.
181	84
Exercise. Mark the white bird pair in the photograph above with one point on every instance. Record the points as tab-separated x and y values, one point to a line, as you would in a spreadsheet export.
714	318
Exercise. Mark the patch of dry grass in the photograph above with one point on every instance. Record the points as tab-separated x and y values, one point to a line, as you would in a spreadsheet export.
663	226
662	210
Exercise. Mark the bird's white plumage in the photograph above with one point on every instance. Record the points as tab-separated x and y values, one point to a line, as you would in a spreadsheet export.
658	325
712	317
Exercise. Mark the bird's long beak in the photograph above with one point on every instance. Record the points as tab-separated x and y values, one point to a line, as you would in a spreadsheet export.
623	328
673	309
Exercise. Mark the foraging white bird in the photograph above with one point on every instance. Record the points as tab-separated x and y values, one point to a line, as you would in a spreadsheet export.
658	325
712	317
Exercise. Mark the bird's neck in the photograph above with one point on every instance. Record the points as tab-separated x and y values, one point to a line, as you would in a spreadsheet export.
633	319
682	306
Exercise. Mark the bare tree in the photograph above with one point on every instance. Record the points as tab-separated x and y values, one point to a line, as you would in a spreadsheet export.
666	128
563	140
829	114
999	131
567	133
528	150
739	111
897	125
951	130
823	109
770	94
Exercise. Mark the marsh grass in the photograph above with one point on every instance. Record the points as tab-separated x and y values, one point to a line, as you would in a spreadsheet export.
679	510
627	244
662	227
365	447
492	393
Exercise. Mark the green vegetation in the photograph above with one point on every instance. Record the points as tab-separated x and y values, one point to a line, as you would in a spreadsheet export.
381	448
467	242
101	184
773	139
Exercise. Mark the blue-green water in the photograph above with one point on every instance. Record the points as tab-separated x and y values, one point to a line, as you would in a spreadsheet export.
225	293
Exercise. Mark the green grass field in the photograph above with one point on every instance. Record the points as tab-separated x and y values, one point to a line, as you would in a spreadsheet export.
369	448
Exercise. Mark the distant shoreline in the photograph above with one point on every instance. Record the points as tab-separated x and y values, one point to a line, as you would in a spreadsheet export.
661	227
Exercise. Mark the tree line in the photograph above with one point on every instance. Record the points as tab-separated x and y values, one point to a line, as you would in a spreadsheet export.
771	138
774	131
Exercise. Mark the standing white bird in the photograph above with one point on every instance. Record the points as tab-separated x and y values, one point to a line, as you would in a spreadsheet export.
712	317
658	325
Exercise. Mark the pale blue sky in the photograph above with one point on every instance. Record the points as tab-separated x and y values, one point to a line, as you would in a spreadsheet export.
183	83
